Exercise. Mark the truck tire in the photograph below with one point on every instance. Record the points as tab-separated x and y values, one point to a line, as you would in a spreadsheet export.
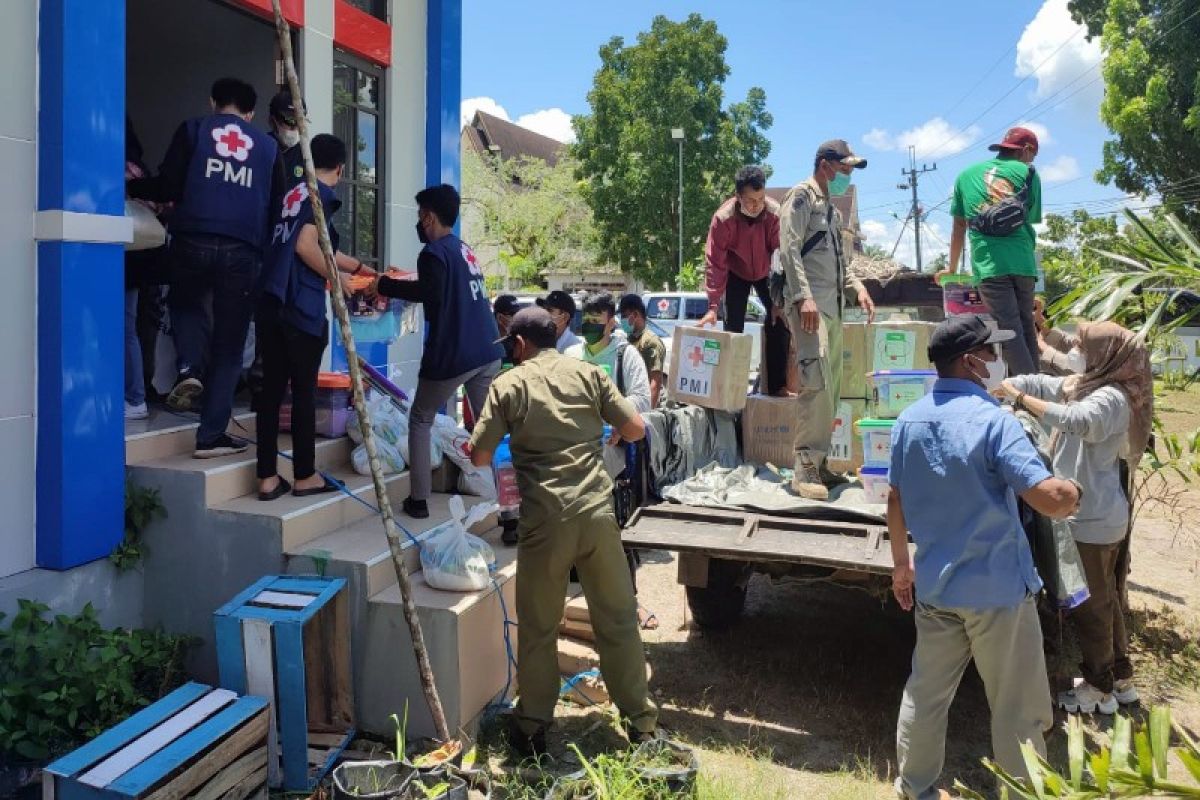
719	605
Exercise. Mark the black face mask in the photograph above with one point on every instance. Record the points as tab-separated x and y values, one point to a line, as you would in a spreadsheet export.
421	233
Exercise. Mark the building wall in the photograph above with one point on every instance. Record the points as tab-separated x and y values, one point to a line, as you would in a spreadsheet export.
18	300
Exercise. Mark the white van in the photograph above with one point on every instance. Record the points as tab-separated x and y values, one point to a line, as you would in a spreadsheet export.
673	309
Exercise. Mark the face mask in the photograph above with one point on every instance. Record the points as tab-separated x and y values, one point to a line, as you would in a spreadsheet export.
421	233
593	332
996	371
748	215
288	137
1076	361
838	184
627	327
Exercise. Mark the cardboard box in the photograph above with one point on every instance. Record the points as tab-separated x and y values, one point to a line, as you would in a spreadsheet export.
710	368
899	345
769	430
845	449
856	359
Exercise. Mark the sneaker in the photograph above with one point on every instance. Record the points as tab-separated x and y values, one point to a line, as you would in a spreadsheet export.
186	390
223	445
417	509
807	481
1125	692
1087	699
140	411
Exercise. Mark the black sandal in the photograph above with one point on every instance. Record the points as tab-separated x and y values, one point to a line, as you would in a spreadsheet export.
281	488
325	488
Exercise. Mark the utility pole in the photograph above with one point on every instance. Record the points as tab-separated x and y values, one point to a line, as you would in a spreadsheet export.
677	135
911	174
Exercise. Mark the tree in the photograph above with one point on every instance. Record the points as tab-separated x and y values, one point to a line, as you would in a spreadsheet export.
940	263
673	77
876	252
1151	97
532	212
1070	249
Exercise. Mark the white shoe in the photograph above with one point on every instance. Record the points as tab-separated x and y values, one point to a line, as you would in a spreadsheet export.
1125	692
1087	699
136	412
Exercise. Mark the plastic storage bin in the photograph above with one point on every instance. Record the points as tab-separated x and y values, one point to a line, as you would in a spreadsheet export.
332	407
893	390
875	483
877	441
960	295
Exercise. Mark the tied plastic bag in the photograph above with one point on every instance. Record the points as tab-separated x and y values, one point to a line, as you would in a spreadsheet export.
389	458
453	559
454	442
148	232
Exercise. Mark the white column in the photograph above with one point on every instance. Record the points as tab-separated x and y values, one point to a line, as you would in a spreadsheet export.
316	67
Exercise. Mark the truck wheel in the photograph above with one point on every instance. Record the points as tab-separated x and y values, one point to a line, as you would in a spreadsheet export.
720	604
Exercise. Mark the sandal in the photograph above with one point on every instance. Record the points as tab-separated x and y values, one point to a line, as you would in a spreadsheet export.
281	488
649	622
324	488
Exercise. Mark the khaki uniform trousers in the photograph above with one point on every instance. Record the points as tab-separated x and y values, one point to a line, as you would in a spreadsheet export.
591	542
820	382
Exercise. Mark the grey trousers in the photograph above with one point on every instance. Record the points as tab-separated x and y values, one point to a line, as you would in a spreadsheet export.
1010	300
1006	644
431	397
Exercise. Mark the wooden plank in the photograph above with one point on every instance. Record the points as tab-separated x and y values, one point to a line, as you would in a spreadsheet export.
748	528
252	788
124	732
291	706
233	748
260	681
693	570
158	738
190	746
316	646
341	711
325	739
252	763
283	599
231	654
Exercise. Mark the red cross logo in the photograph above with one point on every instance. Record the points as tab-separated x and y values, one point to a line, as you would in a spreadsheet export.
696	356
472	262
663	304
232	142
294	199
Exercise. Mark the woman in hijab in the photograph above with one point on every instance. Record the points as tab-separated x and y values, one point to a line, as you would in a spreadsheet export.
1098	417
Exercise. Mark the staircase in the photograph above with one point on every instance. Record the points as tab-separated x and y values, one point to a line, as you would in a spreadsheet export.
218	538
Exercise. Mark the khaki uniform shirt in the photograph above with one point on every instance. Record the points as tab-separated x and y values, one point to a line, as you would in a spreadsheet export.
821	274
652	350
554	409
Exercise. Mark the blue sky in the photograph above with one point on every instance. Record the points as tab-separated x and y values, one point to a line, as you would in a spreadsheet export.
942	75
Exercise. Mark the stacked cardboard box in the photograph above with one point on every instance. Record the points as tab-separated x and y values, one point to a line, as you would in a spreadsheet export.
769	429
710	368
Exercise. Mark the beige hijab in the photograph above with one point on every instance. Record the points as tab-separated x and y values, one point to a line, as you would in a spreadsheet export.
1115	356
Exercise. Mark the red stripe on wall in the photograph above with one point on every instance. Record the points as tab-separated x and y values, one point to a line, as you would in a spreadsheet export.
293	10
358	32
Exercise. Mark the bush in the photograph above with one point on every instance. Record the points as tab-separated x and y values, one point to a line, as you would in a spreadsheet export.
64	681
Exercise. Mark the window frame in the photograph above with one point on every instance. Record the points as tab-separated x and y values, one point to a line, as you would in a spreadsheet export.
350	181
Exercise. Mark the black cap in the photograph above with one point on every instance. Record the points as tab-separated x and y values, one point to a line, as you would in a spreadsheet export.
283	108
838	150
961	334
506	304
559	300
533	324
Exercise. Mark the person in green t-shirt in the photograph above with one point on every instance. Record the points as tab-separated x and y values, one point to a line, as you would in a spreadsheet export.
1004	266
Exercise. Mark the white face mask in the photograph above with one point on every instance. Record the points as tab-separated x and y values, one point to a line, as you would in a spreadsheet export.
288	137
1076	361
996	371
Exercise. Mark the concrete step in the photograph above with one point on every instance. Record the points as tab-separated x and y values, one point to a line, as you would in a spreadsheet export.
166	434
299	520
464	632
359	551
221	479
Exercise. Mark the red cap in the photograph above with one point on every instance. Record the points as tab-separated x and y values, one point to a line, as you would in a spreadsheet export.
1017	139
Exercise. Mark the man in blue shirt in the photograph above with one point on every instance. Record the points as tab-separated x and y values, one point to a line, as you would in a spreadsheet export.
959	462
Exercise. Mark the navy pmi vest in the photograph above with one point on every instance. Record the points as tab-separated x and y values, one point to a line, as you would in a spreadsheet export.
300	291
228	186
462	329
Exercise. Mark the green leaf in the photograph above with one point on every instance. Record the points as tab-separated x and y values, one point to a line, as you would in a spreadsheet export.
1145	761
1101	765
1121	736
1075	750
1160	737
1030	756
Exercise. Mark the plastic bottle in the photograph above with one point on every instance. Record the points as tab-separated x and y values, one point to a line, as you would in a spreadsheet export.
508	495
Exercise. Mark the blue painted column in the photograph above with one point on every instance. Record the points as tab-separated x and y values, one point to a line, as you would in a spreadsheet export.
80	225
443	91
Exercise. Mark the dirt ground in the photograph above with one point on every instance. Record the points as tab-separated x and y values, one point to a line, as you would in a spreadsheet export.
800	699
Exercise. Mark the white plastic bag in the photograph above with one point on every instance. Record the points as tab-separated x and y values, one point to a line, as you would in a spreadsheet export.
453	441
453	559
148	232
477	481
389	458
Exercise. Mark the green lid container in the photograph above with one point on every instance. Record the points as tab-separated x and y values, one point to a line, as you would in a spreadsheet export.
875	424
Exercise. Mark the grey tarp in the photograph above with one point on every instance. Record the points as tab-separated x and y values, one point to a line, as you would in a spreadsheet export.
753	489
686	438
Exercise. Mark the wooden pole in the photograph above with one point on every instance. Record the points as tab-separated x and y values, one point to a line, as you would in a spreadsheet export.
356	383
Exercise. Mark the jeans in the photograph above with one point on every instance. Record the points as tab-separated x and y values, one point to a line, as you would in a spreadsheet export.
778	339
135	384
288	355
221	271
1009	298
431	397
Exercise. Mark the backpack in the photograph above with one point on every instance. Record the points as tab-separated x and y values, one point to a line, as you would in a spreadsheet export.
620	376
1007	216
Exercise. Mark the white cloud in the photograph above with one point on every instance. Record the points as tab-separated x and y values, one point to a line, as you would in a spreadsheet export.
1069	68
933	139
884	233
1063	168
1042	132
552	122
485	104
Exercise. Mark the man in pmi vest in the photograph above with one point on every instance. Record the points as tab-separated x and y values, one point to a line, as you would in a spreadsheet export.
221	174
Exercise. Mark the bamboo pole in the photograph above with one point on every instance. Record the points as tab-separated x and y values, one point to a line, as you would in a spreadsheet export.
356	383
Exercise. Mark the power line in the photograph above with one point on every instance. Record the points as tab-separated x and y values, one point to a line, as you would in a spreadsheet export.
913	175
